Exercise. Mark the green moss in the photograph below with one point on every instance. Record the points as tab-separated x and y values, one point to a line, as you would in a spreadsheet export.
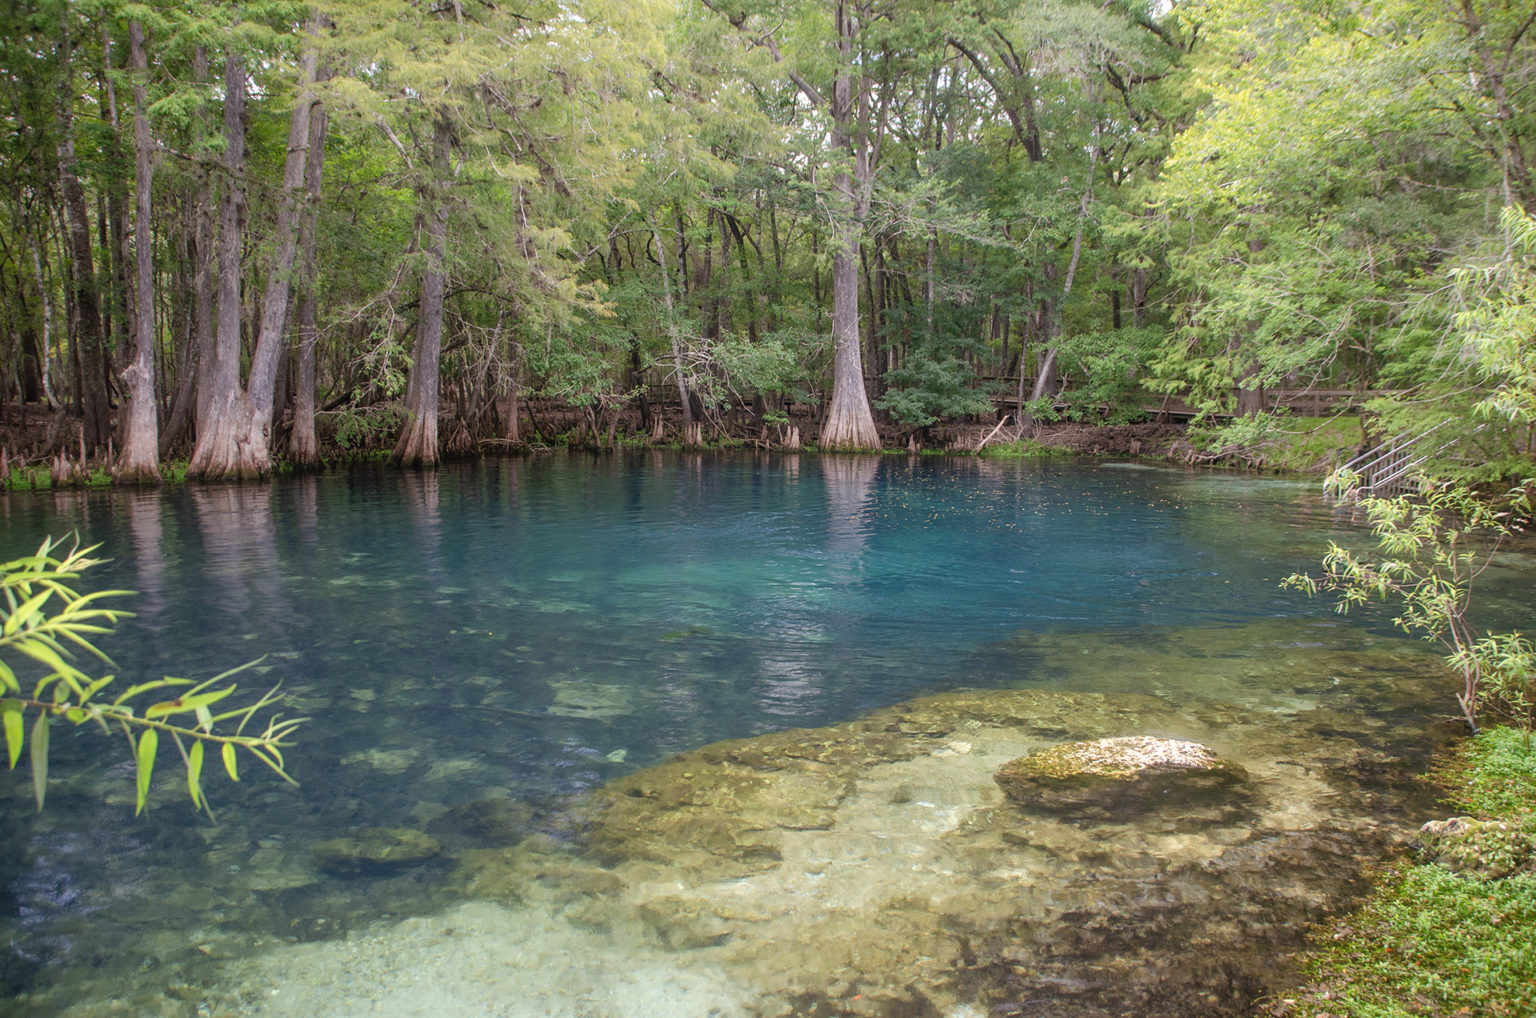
1488	849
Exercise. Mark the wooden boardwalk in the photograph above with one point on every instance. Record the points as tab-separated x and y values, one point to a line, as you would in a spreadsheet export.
1299	402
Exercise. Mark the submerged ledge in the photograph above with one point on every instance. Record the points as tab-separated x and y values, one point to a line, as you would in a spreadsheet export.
876	868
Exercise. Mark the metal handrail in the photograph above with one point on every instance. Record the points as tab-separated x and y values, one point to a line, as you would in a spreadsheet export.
1363	463
1387	468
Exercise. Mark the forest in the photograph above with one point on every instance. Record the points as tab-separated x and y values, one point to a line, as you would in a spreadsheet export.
244	235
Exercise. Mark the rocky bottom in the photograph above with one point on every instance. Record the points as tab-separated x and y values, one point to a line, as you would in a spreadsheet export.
877	868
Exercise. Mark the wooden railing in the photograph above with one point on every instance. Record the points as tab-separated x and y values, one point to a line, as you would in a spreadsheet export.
1307	402
1300	402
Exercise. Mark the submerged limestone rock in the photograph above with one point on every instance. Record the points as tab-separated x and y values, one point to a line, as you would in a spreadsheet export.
1488	849
1108	778
375	848
497	822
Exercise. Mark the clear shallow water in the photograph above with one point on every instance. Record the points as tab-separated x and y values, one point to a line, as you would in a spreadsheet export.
534	628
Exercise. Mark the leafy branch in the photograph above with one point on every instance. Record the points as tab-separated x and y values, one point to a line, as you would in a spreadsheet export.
1432	550
45	620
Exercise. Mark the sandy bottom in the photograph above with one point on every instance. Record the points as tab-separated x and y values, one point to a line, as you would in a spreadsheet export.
481	959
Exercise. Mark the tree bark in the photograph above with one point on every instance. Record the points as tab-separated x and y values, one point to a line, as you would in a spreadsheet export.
89	340
179	418
204	261
140	459
303	448
256	444
217	454
850	422
689	431
116	237
45	356
418	441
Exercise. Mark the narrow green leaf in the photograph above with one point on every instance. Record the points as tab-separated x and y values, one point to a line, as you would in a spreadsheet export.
145	756
15	734
24	614
141	687
230	763
195	773
39	758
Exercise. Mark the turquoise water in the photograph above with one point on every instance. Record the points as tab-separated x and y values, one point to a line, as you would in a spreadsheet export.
536	627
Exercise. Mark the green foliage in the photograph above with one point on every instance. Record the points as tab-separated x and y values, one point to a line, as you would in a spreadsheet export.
1506	667
1282	442
1247	438
366	428
926	389
1446	937
1105	370
1497	775
1027	448
1431	550
1316	249
47	623
1498	321
1437	942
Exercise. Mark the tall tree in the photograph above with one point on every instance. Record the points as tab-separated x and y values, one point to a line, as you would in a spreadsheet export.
303	447
139	462
847	100
237	442
90	340
216	453
417	445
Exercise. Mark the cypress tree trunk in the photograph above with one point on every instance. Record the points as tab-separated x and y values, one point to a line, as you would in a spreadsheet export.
692	434
256	444
204	335
178	420
303	447
216	453
850	423
88	339
418	441
237	442
116	238
139	462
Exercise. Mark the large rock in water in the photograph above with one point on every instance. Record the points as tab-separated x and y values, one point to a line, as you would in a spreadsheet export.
1113	778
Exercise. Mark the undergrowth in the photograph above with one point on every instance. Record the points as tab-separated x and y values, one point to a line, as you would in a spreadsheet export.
1443	938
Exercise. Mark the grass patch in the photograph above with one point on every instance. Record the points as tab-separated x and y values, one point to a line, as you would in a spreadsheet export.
1495	776
40	478
1028	448
1283	443
1434	941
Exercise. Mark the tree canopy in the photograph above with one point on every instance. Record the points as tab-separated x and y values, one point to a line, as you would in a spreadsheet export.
244	232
